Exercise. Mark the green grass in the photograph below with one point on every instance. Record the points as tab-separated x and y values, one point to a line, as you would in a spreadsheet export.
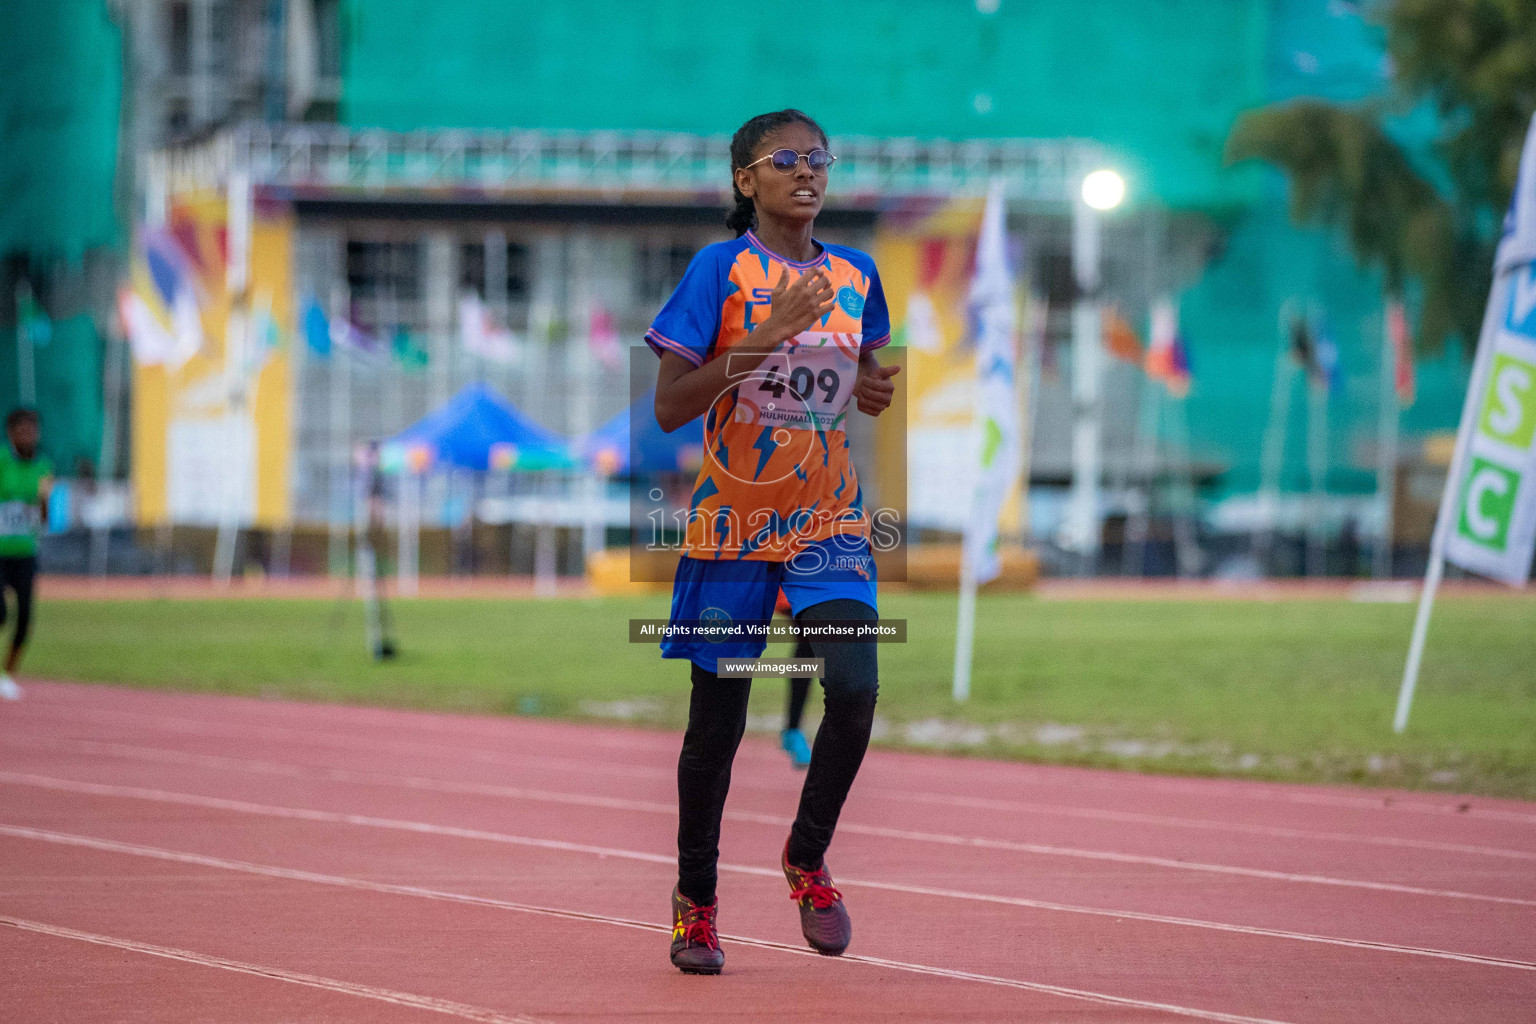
1293	690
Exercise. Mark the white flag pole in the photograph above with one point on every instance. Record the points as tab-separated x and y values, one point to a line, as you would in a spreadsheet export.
1034	350
965	630
1272	455
1186	536
1386	449
237	470
339	376
1497	299
408	531
1143	462
1317	474
1084	523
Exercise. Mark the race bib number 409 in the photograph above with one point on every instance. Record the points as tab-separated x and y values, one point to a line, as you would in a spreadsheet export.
806	383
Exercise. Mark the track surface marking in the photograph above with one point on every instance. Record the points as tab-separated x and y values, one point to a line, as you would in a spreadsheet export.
517	869
382	995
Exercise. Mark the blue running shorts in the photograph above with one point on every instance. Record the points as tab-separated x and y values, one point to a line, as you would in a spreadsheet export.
741	590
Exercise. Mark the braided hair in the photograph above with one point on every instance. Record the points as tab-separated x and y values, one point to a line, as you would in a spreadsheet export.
743	216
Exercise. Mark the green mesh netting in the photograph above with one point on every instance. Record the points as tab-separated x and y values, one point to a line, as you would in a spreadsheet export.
59	102
1157	80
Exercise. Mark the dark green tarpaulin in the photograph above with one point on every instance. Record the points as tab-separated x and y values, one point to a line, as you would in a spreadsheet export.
60	96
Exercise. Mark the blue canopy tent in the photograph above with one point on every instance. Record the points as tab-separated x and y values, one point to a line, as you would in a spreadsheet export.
478	429
608	448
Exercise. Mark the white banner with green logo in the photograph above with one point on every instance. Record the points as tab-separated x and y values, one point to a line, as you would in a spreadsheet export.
1487	520
995	319
1493	529
999	455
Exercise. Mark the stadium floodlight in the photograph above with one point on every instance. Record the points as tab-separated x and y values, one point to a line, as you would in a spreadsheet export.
1103	189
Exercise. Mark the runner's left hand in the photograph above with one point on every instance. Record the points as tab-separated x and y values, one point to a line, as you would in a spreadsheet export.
874	389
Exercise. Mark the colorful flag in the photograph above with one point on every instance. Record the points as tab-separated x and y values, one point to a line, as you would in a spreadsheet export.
992	311
407	350
921	326
603	339
325	334
264	338
317	329
169	267
481	335
1328	372
1303	348
1120	338
1314	350
149	340
358	339
32	320
159	308
1403	377
1167	357
265	332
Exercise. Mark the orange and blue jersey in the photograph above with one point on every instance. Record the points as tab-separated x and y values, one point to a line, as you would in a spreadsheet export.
776	475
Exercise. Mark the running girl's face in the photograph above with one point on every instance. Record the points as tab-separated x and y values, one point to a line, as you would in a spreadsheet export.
787	196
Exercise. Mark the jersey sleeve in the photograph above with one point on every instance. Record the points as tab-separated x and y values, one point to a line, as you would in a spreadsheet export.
689	322
877	316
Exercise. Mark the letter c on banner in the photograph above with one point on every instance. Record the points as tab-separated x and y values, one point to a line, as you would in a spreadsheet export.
1485	481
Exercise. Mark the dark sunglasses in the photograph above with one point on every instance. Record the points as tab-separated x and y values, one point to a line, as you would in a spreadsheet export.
786	160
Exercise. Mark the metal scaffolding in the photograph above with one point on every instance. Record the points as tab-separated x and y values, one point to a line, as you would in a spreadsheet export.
606	165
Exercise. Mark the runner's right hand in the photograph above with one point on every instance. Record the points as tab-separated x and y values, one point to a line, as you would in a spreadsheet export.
795	305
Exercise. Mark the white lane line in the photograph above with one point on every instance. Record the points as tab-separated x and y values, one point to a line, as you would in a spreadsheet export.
196	727
426	828
69	839
981	803
1120	784
573	915
972	842
1137	818
382	995
156	755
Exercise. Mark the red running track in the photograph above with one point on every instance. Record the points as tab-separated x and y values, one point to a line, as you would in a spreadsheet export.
172	857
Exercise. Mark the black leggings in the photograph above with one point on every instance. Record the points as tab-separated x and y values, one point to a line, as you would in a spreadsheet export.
717	717
18	574
799	689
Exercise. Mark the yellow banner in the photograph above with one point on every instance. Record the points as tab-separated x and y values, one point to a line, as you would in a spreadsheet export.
212	426
926	264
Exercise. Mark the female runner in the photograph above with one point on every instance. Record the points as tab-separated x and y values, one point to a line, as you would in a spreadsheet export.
770	336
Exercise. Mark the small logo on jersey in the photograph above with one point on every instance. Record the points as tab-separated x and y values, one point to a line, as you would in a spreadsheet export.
852	302
714	624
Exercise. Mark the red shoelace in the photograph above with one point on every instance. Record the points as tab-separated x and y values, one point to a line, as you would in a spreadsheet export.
698	924
818	886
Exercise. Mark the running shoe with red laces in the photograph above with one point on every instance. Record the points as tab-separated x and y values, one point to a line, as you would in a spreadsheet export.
823	918
695	943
